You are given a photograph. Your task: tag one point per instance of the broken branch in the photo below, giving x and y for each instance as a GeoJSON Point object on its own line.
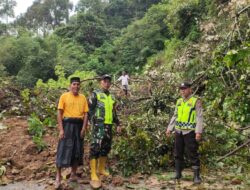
{"type": "Point", "coordinates": [235, 150]}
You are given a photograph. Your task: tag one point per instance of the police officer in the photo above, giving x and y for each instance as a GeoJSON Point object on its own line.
{"type": "Point", "coordinates": [102, 115]}
{"type": "Point", "coordinates": [187, 122]}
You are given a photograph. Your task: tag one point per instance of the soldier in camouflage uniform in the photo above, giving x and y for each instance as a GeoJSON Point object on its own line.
{"type": "Point", "coordinates": [102, 115]}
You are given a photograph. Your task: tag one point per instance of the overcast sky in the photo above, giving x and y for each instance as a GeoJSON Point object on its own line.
{"type": "Point", "coordinates": [22, 5]}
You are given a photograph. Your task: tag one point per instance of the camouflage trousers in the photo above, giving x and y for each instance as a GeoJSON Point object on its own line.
{"type": "Point", "coordinates": [101, 140]}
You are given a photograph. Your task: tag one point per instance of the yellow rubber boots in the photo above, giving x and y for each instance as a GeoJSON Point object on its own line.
{"type": "Point", "coordinates": [95, 181]}
{"type": "Point", "coordinates": [101, 166]}
{"type": "Point", "coordinates": [94, 177]}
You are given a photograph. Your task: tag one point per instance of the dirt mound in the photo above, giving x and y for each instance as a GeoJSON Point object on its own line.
{"type": "Point", "coordinates": [19, 154]}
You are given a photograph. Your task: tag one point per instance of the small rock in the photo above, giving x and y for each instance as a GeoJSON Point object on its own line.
{"type": "Point", "coordinates": [47, 173]}
{"type": "Point", "coordinates": [45, 154]}
{"type": "Point", "coordinates": [11, 177]}
{"type": "Point", "coordinates": [39, 175]}
{"type": "Point", "coordinates": [32, 176]}
{"type": "Point", "coordinates": [4, 180]}
{"type": "Point", "coordinates": [26, 171]}
{"type": "Point", "coordinates": [126, 180]}
{"type": "Point", "coordinates": [117, 181]}
{"type": "Point", "coordinates": [20, 178]}
{"type": "Point", "coordinates": [140, 177]}
{"type": "Point", "coordinates": [152, 181]}
{"type": "Point", "coordinates": [50, 182]}
{"type": "Point", "coordinates": [36, 165]}
{"type": "Point", "coordinates": [53, 153]}
{"type": "Point", "coordinates": [15, 171]}
{"type": "Point", "coordinates": [134, 180]}
{"type": "Point", "coordinates": [30, 149]}
{"type": "Point", "coordinates": [18, 163]}
{"type": "Point", "coordinates": [41, 180]}
{"type": "Point", "coordinates": [236, 182]}
{"type": "Point", "coordinates": [27, 158]}
{"type": "Point", "coordinates": [171, 182]}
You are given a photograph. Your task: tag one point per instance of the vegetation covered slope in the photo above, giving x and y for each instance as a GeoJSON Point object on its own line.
{"type": "Point", "coordinates": [204, 41]}
{"type": "Point", "coordinates": [213, 53]}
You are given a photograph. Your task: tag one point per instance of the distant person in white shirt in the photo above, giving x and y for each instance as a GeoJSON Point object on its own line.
{"type": "Point", "coordinates": [124, 78]}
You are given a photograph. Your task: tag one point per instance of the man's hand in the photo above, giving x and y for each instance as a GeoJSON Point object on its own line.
{"type": "Point", "coordinates": [61, 134]}
{"type": "Point", "coordinates": [82, 132]}
{"type": "Point", "coordinates": [119, 129]}
{"type": "Point", "coordinates": [87, 128]}
{"type": "Point", "coordinates": [168, 133]}
{"type": "Point", "coordinates": [198, 136]}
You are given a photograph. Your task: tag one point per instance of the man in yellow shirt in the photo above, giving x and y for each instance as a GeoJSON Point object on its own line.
{"type": "Point", "coordinates": [72, 120]}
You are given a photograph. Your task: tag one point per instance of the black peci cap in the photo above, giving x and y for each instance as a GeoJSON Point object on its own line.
{"type": "Point", "coordinates": [185, 85]}
{"type": "Point", "coordinates": [74, 79]}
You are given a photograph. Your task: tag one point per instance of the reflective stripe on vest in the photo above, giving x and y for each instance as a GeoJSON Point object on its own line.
{"type": "Point", "coordinates": [186, 114]}
{"type": "Point", "coordinates": [104, 110]}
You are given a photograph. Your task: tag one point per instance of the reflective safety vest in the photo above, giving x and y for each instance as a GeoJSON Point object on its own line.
{"type": "Point", "coordinates": [104, 108]}
{"type": "Point", "coordinates": [186, 114]}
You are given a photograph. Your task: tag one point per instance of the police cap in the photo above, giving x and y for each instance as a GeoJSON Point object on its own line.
{"type": "Point", "coordinates": [106, 76]}
{"type": "Point", "coordinates": [185, 85]}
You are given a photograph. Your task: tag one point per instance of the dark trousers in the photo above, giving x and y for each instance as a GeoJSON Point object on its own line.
{"type": "Point", "coordinates": [125, 89]}
{"type": "Point", "coordinates": [186, 142]}
{"type": "Point", "coordinates": [101, 141]}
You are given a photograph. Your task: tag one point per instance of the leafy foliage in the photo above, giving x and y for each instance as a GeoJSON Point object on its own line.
{"type": "Point", "coordinates": [167, 41]}
{"type": "Point", "coordinates": [2, 170]}
{"type": "Point", "coordinates": [7, 8]}
{"type": "Point", "coordinates": [36, 130]}
{"type": "Point", "coordinates": [35, 126]}
{"type": "Point", "coordinates": [229, 78]}
{"type": "Point", "coordinates": [45, 15]}
{"type": "Point", "coordinates": [28, 59]}
{"type": "Point", "coordinates": [142, 147]}
{"type": "Point", "coordinates": [88, 30]}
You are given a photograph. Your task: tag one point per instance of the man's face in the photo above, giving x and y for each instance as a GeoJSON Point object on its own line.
{"type": "Point", "coordinates": [105, 84]}
{"type": "Point", "coordinates": [75, 87]}
{"type": "Point", "coordinates": [185, 92]}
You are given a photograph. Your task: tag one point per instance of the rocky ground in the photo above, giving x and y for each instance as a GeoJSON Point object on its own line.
{"type": "Point", "coordinates": [28, 169]}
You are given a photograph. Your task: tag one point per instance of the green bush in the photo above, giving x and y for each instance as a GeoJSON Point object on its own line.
{"type": "Point", "coordinates": [40, 144]}
{"type": "Point", "coordinates": [36, 130]}
{"type": "Point", "coordinates": [36, 127]}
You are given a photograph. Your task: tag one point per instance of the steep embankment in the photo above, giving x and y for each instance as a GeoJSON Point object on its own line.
{"type": "Point", "coordinates": [215, 57]}
{"type": "Point", "coordinates": [212, 52]}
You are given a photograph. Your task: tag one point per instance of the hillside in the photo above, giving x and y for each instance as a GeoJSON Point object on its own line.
{"type": "Point", "coordinates": [160, 44]}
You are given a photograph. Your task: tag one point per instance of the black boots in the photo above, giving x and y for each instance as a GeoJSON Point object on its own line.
{"type": "Point", "coordinates": [178, 169]}
{"type": "Point", "coordinates": [197, 179]}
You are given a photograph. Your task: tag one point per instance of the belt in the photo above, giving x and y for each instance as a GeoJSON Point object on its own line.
{"type": "Point", "coordinates": [72, 119]}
